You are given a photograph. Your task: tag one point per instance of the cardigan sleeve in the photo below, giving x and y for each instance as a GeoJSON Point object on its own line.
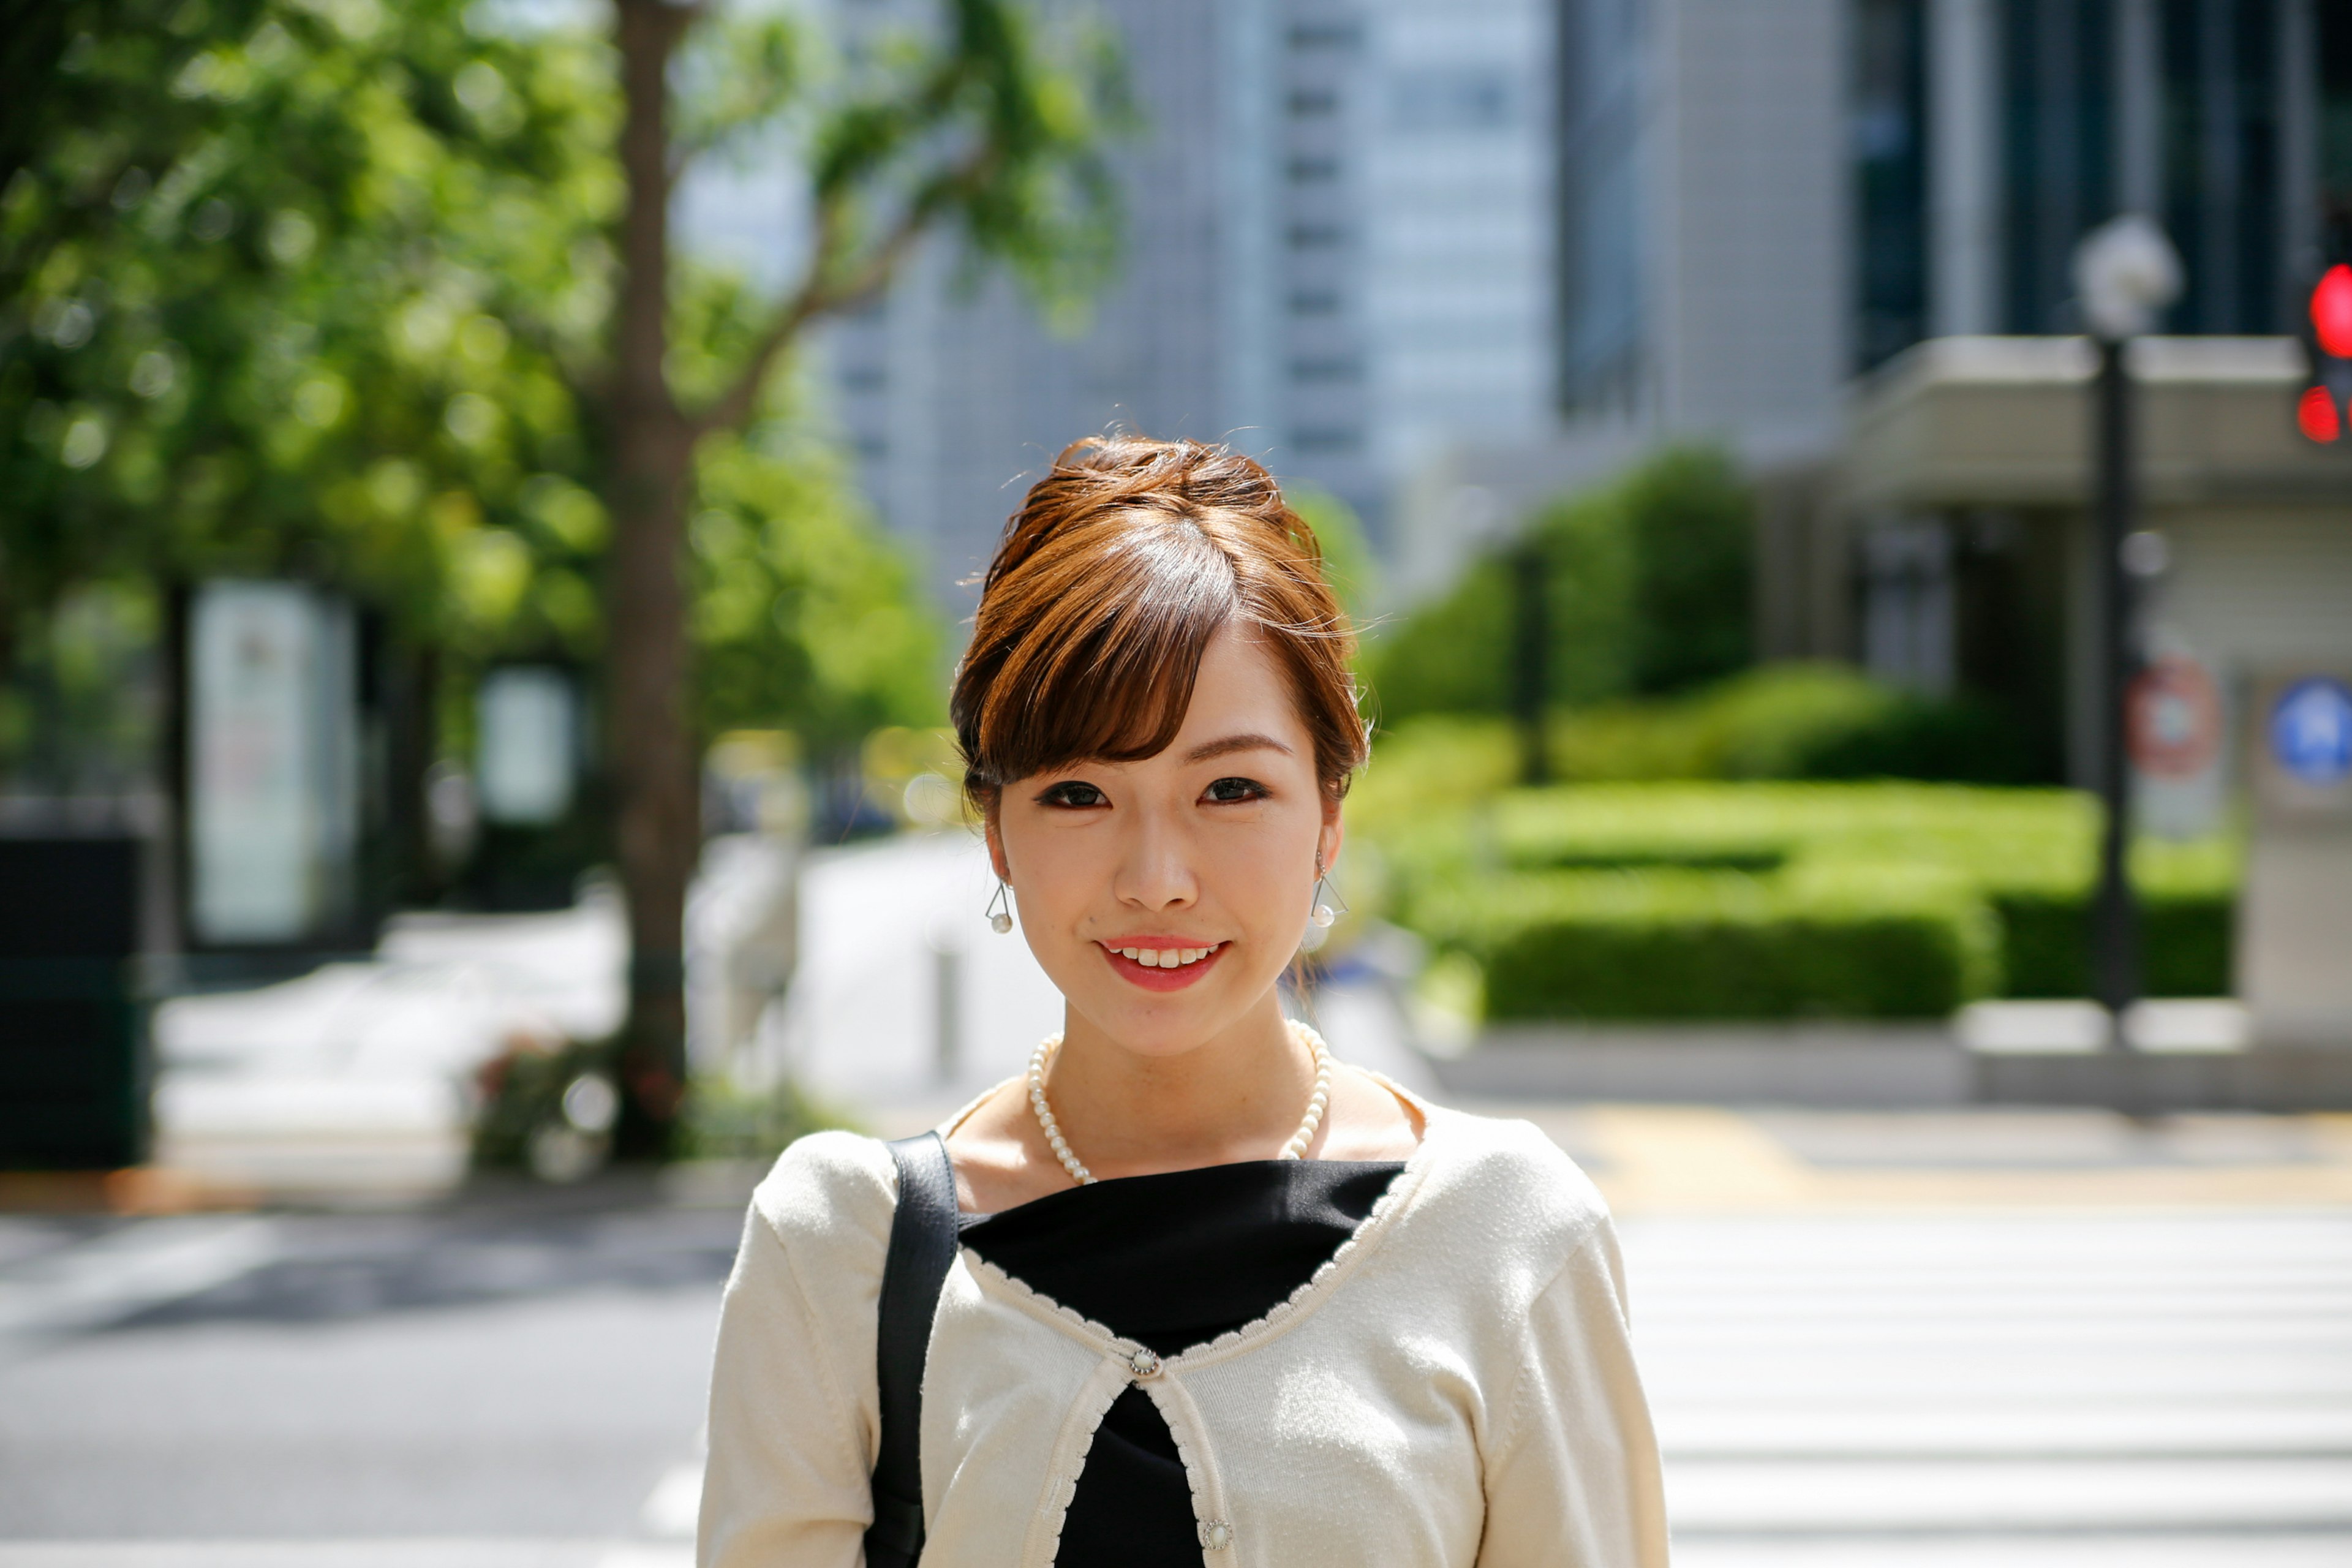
{"type": "Point", "coordinates": [794, 1417]}
{"type": "Point", "coordinates": [1574, 1479]}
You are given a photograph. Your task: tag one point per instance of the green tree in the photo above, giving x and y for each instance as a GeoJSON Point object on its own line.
{"type": "Point", "coordinates": [1453, 654]}
{"type": "Point", "coordinates": [368, 293]}
{"type": "Point", "coordinates": [1646, 588]}
{"type": "Point", "coordinates": [972, 125]}
{"type": "Point", "coordinates": [1347, 560]}
{"type": "Point", "coordinates": [1691, 522]}
{"type": "Point", "coordinates": [804, 618]}
{"type": "Point", "coordinates": [293, 288]}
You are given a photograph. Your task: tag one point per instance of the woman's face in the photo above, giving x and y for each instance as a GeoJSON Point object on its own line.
{"type": "Point", "coordinates": [1164, 896]}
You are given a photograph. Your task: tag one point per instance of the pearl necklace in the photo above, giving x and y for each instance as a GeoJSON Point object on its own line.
{"type": "Point", "coordinates": [1294, 1149]}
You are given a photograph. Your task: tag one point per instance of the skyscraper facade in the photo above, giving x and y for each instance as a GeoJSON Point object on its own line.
{"type": "Point", "coordinates": [1339, 257]}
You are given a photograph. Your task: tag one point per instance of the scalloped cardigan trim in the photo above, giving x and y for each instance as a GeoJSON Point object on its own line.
{"type": "Point", "coordinates": [1452, 1388]}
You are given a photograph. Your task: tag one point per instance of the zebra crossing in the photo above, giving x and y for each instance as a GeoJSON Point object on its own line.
{"type": "Point", "coordinates": [2030, 1389]}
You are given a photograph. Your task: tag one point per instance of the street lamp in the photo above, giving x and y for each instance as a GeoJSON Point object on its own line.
{"type": "Point", "coordinates": [2126, 273]}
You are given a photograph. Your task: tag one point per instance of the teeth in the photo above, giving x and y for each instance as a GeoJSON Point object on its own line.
{"type": "Point", "coordinates": [1164, 957]}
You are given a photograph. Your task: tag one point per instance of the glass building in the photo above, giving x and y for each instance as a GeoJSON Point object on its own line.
{"type": "Point", "coordinates": [1989, 135]}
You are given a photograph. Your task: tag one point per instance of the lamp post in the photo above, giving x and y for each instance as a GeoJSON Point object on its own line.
{"type": "Point", "coordinates": [2125, 272]}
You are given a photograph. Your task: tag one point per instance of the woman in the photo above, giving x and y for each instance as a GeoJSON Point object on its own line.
{"type": "Point", "coordinates": [1219, 1298]}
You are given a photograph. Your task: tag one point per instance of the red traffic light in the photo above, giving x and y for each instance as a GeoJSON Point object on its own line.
{"type": "Point", "coordinates": [2316, 415]}
{"type": "Point", "coordinates": [2324, 408]}
{"type": "Point", "coordinates": [2331, 311]}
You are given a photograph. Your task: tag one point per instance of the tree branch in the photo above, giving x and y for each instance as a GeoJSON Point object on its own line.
{"type": "Point", "coordinates": [821, 294]}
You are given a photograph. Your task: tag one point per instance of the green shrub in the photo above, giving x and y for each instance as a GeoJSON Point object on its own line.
{"type": "Point", "coordinates": [1453, 654]}
{"type": "Point", "coordinates": [1668, 944]}
{"type": "Point", "coordinates": [2185, 942]}
{"type": "Point", "coordinates": [2186, 895]}
{"type": "Point", "coordinates": [1726, 901]}
{"type": "Point", "coordinates": [1647, 587]}
{"type": "Point", "coordinates": [1691, 523]}
{"type": "Point", "coordinates": [725, 1121]}
{"type": "Point", "coordinates": [1793, 722]}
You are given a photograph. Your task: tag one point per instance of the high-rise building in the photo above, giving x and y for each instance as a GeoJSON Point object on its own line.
{"type": "Point", "coordinates": [1337, 257]}
{"type": "Point", "coordinates": [1759, 200]}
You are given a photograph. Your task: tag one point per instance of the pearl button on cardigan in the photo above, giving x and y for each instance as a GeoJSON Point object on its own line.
{"type": "Point", "coordinates": [1454, 1389]}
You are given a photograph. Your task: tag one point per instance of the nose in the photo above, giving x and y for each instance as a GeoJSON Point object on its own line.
{"type": "Point", "coordinates": [1155, 867]}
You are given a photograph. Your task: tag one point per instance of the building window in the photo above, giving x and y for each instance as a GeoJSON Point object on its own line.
{"type": "Point", "coordinates": [1309, 103]}
{"type": "Point", "coordinates": [1325, 440]}
{"type": "Point", "coordinates": [2058, 110]}
{"type": "Point", "coordinates": [1325, 370]}
{"type": "Point", "coordinates": [1887, 129]}
{"type": "Point", "coordinates": [1324, 36]}
{"type": "Point", "coordinates": [1316, 236]}
{"type": "Point", "coordinates": [1906, 608]}
{"type": "Point", "coordinates": [2222, 136]}
{"type": "Point", "coordinates": [2334, 24]}
{"type": "Point", "coordinates": [1314, 302]}
{"type": "Point", "coordinates": [1600, 206]}
{"type": "Point", "coordinates": [1472, 98]}
{"type": "Point", "coordinates": [1313, 170]}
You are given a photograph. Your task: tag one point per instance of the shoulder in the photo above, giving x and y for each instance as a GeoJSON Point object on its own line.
{"type": "Point", "coordinates": [1504, 1182]}
{"type": "Point", "coordinates": [831, 1193]}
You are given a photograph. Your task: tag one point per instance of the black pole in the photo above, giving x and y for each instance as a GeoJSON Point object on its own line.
{"type": "Point", "coordinates": [1530, 653]}
{"type": "Point", "coordinates": [2117, 949]}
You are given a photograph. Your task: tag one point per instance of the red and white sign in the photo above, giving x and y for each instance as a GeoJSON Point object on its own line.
{"type": "Point", "coordinates": [2172, 717]}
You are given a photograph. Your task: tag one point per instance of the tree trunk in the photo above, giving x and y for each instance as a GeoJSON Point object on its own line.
{"type": "Point", "coordinates": [651, 455]}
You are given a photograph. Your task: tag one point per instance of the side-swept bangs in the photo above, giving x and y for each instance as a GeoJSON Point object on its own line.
{"type": "Point", "coordinates": [1121, 567]}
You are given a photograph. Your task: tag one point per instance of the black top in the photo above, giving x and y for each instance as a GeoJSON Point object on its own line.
{"type": "Point", "coordinates": [1170, 1261]}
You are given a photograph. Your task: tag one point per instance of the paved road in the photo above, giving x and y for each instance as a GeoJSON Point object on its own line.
{"type": "Point", "coordinates": [511, 1384]}
{"type": "Point", "coordinates": [498, 1385]}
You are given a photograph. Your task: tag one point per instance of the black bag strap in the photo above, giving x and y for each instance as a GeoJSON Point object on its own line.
{"type": "Point", "coordinates": [923, 1246]}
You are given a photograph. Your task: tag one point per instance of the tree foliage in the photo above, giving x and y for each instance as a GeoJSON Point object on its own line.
{"type": "Point", "coordinates": [374, 293]}
{"type": "Point", "coordinates": [325, 288]}
{"type": "Point", "coordinates": [1647, 585]}
{"type": "Point", "coordinates": [297, 288]}
{"type": "Point", "coordinates": [804, 617]}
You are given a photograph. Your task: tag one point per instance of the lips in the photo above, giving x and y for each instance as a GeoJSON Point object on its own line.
{"type": "Point", "coordinates": [1161, 963]}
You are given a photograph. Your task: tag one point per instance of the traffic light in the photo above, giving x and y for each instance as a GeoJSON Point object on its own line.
{"type": "Point", "coordinates": [2325, 408]}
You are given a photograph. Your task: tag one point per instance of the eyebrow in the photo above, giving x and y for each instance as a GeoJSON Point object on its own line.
{"type": "Point", "coordinates": [1226, 747]}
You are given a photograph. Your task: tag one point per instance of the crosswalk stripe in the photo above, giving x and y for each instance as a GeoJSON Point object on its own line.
{"type": "Point", "coordinates": [2027, 1390]}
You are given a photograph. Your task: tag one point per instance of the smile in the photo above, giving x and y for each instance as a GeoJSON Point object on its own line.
{"type": "Point", "coordinates": [1163, 968]}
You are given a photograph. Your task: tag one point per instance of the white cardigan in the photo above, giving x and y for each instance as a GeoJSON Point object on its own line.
{"type": "Point", "coordinates": [1453, 1388]}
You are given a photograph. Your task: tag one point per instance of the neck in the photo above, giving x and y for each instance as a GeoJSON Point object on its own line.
{"type": "Point", "coordinates": [1238, 1095]}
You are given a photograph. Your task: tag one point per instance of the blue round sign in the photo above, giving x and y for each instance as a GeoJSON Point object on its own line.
{"type": "Point", "coordinates": [2311, 731]}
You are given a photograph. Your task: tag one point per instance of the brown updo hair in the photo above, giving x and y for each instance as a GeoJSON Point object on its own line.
{"type": "Point", "coordinates": [1121, 565]}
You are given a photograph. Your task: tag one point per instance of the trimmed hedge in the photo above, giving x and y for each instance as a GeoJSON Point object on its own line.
{"type": "Point", "coordinates": [2185, 941]}
{"type": "Point", "coordinates": [1778, 901]}
{"type": "Point", "coordinates": [1581, 944]}
{"type": "Point", "coordinates": [1792, 722]}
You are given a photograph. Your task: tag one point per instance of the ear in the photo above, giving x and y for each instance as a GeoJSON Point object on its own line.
{"type": "Point", "coordinates": [1329, 837]}
{"type": "Point", "coordinates": [996, 860]}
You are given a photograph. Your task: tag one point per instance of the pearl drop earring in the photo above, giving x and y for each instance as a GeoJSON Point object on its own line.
{"type": "Point", "coordinates": [999, 910]}
{"type": "Point", "coordinates": [1325, 915]}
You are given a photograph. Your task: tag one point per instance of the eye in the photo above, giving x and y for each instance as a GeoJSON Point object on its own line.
{"type": "Point", "coordinates": [1227, 792]}
{"type": "Point", "coordinates": [1074, 794]}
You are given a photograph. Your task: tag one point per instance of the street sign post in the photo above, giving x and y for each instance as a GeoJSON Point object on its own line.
{"type": "Point", "coordinates": [2294, 954]}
